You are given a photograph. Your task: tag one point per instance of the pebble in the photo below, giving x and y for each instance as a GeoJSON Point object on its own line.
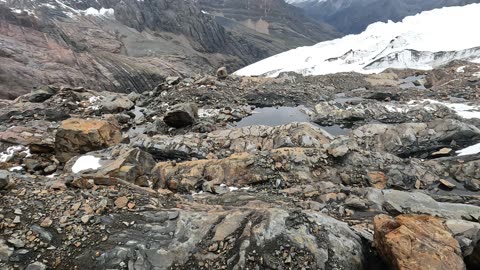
{"type": "Point", "coordinates": [121, 202]}
{"type": "Point", "coordinates": [47, 222]}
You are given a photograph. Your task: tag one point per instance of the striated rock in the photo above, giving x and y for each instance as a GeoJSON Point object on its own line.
{"type": "Point", "coordinates": [468, 236]}
{"type": "Point", "coordinates": [41, 94]}
{"type": "Point", "coordinates": [292, 164]}
{"type": "Point", "coordinates": [38, 136]}
{"type": "Point", "coordinates": [181, 115]}
{"type": "Point", "coordinates": [223, 143]}
{"type": "Point", "coordinates": [401, 202]}
{"type": "Point", "coordinates": [79, 136]}
{"type": "Point", "coordinates": [239, 238]}
{"type": "Point", "coordinates": [416, 242]}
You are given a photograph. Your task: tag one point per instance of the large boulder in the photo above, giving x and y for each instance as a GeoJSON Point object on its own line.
{"type": "Point", "coordinates": [293, 165]}
{"type": "Point", "coordinates": [129, 164]}
{"type": "Point", "coordinates": [416, 139]}
{"type": "Point", "coordinates": [79, 136]}
{"type": "Point", "coordinates": [40, 95]}
{"type": "Point", "coordinates": [400, 202]}
{"type": "Point", "coordinates": [181, 115]}
{"type": "Point", "coordinates": [222, 143]}
{"type": "Point", "coordinates": [416, 242]}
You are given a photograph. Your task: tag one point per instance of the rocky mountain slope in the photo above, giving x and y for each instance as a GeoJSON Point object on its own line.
{"type": "Point", "coordinates": [353, 16]}
{"type": "Point", "coordinates": [427, 40]}
{"type": "Point", "coordinates": [126, 45]}
{"type": "Point", "coordinates": [273, 23]}
{"type": "Point", "coordinates": [381, 174]}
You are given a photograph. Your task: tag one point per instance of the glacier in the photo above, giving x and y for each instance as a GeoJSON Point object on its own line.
{"type": "Point", "coordinates": [424, 41]}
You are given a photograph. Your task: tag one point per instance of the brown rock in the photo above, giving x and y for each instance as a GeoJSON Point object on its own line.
{"type": "Point", "coordinates": [447, 184]}
{"type": "Point", "coordinates": [416, 242]}
{"type": "Point", "coordinates": [79, 136]}
{"type": "Point", "coordinates": [377, 179]}
{"type": "Point", "coordinates": [121, 202]}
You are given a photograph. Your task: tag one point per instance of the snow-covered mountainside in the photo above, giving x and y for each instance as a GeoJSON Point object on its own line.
{"type": "Point", "coordinates": [423, 41]}
{"type": "Point", "coordinates": [353, 16]}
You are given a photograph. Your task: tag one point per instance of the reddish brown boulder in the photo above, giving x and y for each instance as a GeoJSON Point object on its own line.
{"type": "Point", "coordinates": [416, 242]}
{"type": "Point", "coordinates": [79, 136]}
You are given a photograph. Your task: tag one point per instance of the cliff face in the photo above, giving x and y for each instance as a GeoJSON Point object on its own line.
{"type": "Point", "coordinates": [126, 45]}
{"type": "Point", "coordinates": [275, 24]}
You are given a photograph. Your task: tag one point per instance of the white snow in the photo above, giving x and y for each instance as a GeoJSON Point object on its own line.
{"type": "Point", "coordinates": [471, 150]}
{"type": "Point", "coordinates": [87, 162]}
{"type": "Point", "coordinates": [102, 12]}
{"type": "Point", "coordinates": [383, 45]}
{"type": "Point", "coordinates": [461, 69]}
{"type": "Point", "coordinates": [12, 150]}
{"type": "Point", "coordinates": [16, 169]}
{"type": "Point", "coordinates": [205, 12]}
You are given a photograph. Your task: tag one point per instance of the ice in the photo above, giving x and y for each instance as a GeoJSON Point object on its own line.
{"type": "Point", "coordinates": [423, 41]}
{"type": "Point", "coordinates": [87, 162]}
{"type": "Point", "coordinates": [471, 150]}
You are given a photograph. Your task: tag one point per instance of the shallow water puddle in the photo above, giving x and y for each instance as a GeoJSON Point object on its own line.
{"type": "Point", "coordinates": [276, 116]}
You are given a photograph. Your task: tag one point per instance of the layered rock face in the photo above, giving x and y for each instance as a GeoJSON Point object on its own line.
{"type": "Point", "coordinates": [272, 24]}
{"type": "Point", "coordinates": [373, 177]}
{"type": "Point", "coordinates": [122, 46]}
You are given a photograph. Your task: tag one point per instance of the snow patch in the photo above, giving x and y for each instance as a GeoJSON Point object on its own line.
{"type": "Point", "coordinates": [461, 69]}
{"type": "Point", "coordinates": [204, 12]}
{"type": "Point", "coordinates": [471, 150]}
{"type": "Point", "coordinates": [84, 163]}
{"type": "Point", "coordinates": [11, 151]}
{"type": "Point", "coordinates": [102, 12]}
{"type": "Point", "coordinates": [16, 169]}
{"type": "Point", "coordinates": [423, 41]}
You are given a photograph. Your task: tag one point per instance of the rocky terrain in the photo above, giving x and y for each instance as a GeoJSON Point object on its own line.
{"type": "Point", "coordinates": [130, 45]}
{"type": "Point", "coordinates": [275, 24]}
{"type": "Point", "coordinates": [382, 173]}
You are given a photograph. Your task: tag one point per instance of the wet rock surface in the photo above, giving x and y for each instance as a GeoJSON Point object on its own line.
{"type": "Point", "coordinates": [95, 180]}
